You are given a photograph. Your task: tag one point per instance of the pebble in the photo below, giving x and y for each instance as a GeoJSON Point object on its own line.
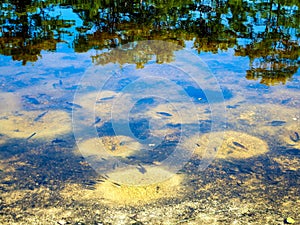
{"type": "Point", "coordinates": [289, 220]}
{"type": "Point", "coordinates": [62, 222]}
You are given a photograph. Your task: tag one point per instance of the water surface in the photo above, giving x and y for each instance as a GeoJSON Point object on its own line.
{"type": "Point", "coordinates": [50, 48]}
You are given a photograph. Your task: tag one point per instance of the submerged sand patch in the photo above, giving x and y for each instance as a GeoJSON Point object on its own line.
{"type": "Point", "coordinates": [121, 194]}
{"type": "Point", "coordinates": [274, 122]}
{"type": "Point", "coordinates": [235, 145]}
{"type": "Point", "coordinates": [96, 104]}
{"type": "Point", "coordinates": [109, 145]}
{"type": "Point", "coordinates": [40, 124]}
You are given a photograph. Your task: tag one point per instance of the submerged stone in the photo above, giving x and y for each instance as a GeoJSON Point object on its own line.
{"type": "Point", "coordinates": [289, 220]}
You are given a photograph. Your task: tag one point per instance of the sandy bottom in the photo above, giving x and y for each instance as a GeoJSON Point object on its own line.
{"type": "Point", "coordinates": [121, 194]}
{"type": "Point", "coordinates": [39, 124]}
{"type": "Point", "coordinates": [228, 144]}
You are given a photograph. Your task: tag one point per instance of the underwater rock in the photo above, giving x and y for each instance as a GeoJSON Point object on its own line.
{"type": "Point", "coordinates": [289, 220]}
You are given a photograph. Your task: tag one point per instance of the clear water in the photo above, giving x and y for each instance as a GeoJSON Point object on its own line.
{"type": "Point", "coordinates": [149, 113]}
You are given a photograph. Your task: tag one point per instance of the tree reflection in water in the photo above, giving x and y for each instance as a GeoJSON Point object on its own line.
{"type": "Point", "coordinates": [265, 31]}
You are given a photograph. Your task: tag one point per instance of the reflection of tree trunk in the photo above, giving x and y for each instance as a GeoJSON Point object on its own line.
{"type": "Point", "coordinates": [268, 24]}
{"type": "Point", "coordinates": [21, 8]}
{"type": "Point", "coordinates": [278, 15]}
{"type": "Point", "coordinates": [25, 28]}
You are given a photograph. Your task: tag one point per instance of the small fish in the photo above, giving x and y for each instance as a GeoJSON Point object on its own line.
{"type": "Point", "coordinates": [40, 116]}
{"type": "Point", "coordinates": [74, 87]}
{"type": "Point", "coordinates": [102, 178]}
{"type": "Point", "coordinates": [239, 145]}
{"type": "Point", "coordinates": [116, 184]}
{"type": "Point", "coordinates": [70, 109]}
{"type": "Point", "coordinates": [296, 138]}
{"type": "Point", "coordinates": [115, 165]}
{"type": "Point", "coordinates": [90, 182]}
{"type": "Point", "coordinates": [89, 187]}
{"type": "Point", "coordinates": [106, 98]}
{"type": "Point", "coordinates": [56, 141]}
{"type": "Point", "coordinates": [60, 82]}
{"type": "Point", "coordinates": [74, 105]}
{"type": "Point", "coordinates": [31, 136]}
{"type": "Point", "coordinates": [277, 123]}
{"type": "Point", "coordinates": [141, 169]}
{"type": "Point", "coordinates": [232, 106]}
{"type": "Point", "coordinates": [97, 120]}
{"type": "Point", "coordinates": [106, 176]}
{"type": "Point", "coordinates": [164, 113]}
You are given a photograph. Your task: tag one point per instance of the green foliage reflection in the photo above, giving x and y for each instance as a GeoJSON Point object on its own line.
{"type": "Point", "coordinates": [265, 31]}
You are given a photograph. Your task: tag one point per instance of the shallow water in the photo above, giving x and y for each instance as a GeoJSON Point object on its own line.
{"type": "Point", "coordinates": [149, 113]}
